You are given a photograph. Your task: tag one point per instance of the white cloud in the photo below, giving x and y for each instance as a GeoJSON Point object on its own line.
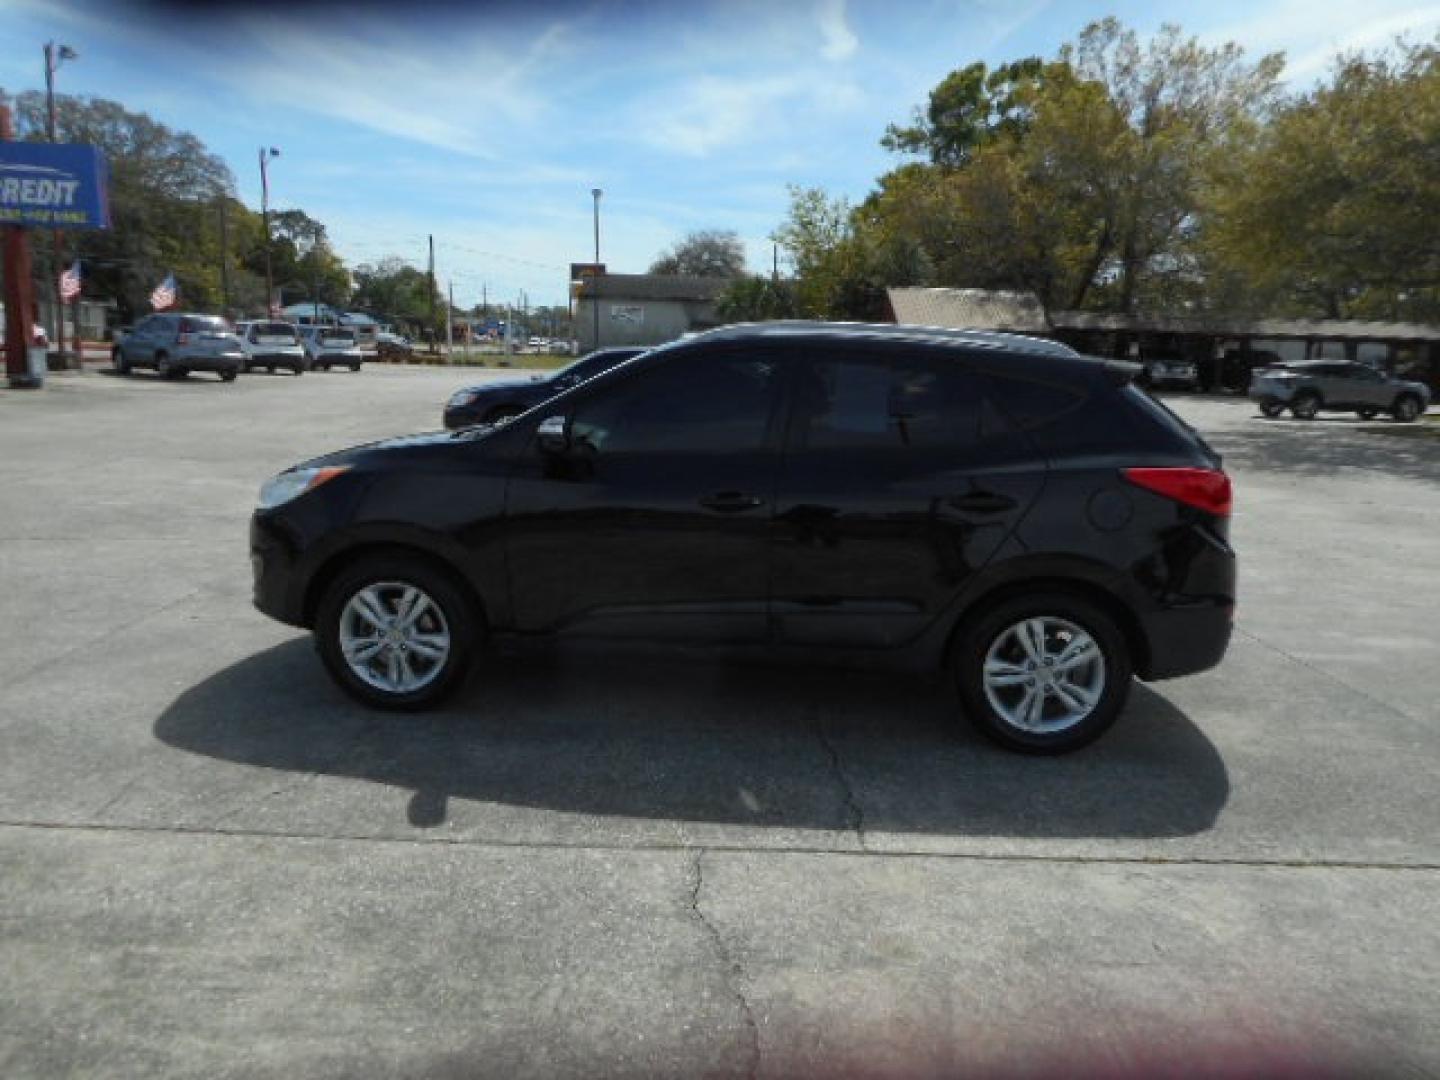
{"type": "Point", "coordinates": [838, 41]}
{"type": "Point", "coordinates": [1312, 32]}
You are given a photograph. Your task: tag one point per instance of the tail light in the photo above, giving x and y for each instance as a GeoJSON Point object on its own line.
{"type": "Point", "coordinates": [1204, 489]}
{"type": "Point", "coordinates": [182, 339]}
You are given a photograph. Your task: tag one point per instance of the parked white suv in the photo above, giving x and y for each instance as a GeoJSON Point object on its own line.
{"type": "Point", "coordinates": [271, 345]}
{"type": "Point", "coordinates": [329, 346]}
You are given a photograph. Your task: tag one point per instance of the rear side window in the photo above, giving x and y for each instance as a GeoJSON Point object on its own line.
{"type": "Point", "coordinates": [877, 403]}
{"type": "Point", "coordinates": [1075, 418]}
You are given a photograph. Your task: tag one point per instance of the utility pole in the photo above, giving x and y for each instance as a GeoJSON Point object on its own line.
{"type": "Point", "coordinates": [774, 262]}
{"type": "Point", "coordinates": [265, 222]}
{"type": "Point", "coordinates": [430, 279]}
{"type": "Point", "coordinates": [55, 55]}
{"type": "Point", "coordinates": [595, 277]}
{"type": "Point", "coordinates": [449, 326]}
{"type": "Point", "coordinates": [225, 262]}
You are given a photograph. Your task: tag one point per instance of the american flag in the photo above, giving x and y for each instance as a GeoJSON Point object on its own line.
{"type": "Point", "coordinates": [70, 283]}
{"type": "Point", "coordinates": [164, 294]}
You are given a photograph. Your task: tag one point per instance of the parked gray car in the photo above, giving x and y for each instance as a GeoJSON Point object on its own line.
{"type": "Point", "coordinates": [1336, 386]}
{"type": "Point", "coordinates": [177, 344]}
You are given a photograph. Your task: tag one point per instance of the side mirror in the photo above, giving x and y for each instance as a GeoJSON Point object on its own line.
{"type": "Point", "coordinates": [553, 435]}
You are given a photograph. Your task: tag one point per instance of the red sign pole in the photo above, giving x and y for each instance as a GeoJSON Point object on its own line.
{"type": "Point", "coordinates": [19, 296]}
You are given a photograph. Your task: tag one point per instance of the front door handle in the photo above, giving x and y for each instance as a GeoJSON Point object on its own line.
{"type": "Point", "coordinates": [982, 502]}
{"type": "Point", "coordinates": [730, 502]}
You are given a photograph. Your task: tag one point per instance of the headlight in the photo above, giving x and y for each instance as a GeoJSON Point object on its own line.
{"type": "Point", "coordinates": [279, 490]}
{"type": "Point", "coordinates": [461, 398]}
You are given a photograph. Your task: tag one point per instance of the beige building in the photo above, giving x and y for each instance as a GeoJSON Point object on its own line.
{"type": "Point", "coordinates": [644, 309]}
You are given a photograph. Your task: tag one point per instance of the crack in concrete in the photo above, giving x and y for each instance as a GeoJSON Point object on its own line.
{"type": "Point", "coordinates": [1324, 674]}
{"type": "Point", "coordinates": [731, 967]}
{"type": "Point", "coordinates": [854, 815]}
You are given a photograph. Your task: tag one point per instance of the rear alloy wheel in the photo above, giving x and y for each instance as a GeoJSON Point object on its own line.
{"type": "Point", "coordinates": [1367, 413]}
{"type": "Point", "coordinates": [395, 633]}
{"type": "Point", "coordinates": [1271, 409]}
{"type": "Point", "coordinates": [1044, 674]}
{"type": "Point", "coordinates": [1305, 405]}
{"type": "Point", "coordinates": [1407, 408]}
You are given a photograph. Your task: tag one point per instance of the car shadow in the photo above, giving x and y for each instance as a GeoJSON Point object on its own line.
{"type": "Point", "coordinates": [1326, 447]}
{"type": "Point", "coordinates": [697, 741]}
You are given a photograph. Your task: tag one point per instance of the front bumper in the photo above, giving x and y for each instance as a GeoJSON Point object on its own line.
{"type": "Point", "coordinates": [278, 591]}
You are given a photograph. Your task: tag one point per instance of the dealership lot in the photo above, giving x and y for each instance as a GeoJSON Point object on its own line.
{"type": "Point", "coordinates": [212, 863]}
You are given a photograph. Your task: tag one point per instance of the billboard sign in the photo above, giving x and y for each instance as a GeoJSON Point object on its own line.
{"type": "Point", "coordinates": [53, 186]}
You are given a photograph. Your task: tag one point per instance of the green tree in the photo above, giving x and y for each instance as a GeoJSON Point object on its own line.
{"type": "Point", "coordinates": [753, 298]}
{"type": "Point", "coordinates": [705, 253]}
{"type": "Point", "coordinates": [971, 108]}
{"type": "Point", "coordinates": [1332, 208]}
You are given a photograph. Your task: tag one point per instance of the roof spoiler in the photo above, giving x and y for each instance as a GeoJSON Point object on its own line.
{"type": "Point", "coordinates": [1121, 372]}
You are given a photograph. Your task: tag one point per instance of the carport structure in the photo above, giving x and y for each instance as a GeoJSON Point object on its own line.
{"type": "Point", "coordinates": [1225, 349]}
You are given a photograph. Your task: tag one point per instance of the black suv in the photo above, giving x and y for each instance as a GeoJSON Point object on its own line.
{"type": "Point", "coordinates": [503, 399]}
{"type": "Point", "coordinates": [998, 506]}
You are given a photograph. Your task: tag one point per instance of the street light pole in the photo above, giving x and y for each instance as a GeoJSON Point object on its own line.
{"type": "Point", "coordinates": [595, 277]}
{"type": "Point", "coordinates": [265, 156]}
{"type": "Point", "coordinates": [55, 55]}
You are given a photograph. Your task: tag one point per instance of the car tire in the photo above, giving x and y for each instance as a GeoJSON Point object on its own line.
{"type": "Point", "coordinates": [355, 367]}
{"type": "Point", "coordinates": [229, 374]}
{"type": "Point", "coordinates": [1271, 409]}
{"type": "Point", "coordinates": [1367, 413]}
{"type": "Point", "coordinates": [451, 622]}
{"type": "Point", "coordinates": [991, 665]}
{"type": "Point", "coordinates": [122, 366]}
{"type": "Point", "coordinates": [162, 366]}
{"type": "Point", "coordinates": [1407, 408]}
{"type": "Point", "coordinates": [1305, 405]}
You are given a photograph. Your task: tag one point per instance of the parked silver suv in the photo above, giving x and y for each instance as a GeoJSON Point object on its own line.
{"type": "Point", "coordinates": [1336, 386]}
{"type": "Point", "coordinates": [177, 344]}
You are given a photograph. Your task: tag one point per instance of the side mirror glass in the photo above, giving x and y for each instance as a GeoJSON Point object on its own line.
{"type": "Point", "coordinates": [553, 435]}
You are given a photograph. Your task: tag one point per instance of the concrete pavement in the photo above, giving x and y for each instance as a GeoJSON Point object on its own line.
{"type": "Point", "coordinates": [212, 863]}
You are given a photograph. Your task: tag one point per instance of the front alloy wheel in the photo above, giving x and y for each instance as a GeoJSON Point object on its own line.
{"type": "Point", "coordinates": [395, 633]}
{"type": "Point", "coordinates": [1044, 674]}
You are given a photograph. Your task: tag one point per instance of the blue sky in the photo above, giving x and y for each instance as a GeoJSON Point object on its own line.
{"type": "Point", "coordinates": [487, 125]}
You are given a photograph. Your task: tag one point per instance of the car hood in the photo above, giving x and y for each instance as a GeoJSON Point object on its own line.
{"type": "Point", "coordinates": [418, 447]}
{"type": "Point", "coordinates": [509, 382]}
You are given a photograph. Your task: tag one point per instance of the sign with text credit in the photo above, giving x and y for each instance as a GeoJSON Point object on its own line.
{"type": "Point", "coordinates": [53, 186]}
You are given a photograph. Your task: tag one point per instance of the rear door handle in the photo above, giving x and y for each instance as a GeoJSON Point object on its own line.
{"type": "Point", "coordinates": [982, 502]}
{"type": "Point", "coordinates": [730, 502]}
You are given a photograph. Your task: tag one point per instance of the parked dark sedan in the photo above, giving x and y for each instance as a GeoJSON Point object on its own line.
{"type": "Point", "coordinates": [998, 507]}
{"type": "Point", "coordinates": [491, 402]}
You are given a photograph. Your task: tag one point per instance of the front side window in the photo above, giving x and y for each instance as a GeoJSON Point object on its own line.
{"type": "Point", "coordinates": [708, 404]}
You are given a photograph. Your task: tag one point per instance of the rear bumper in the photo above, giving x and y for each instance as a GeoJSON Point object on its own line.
{"type": "Point", "coordinates": [209, 362]}
{"type": "Point", "coordinates": [1270, 391]}
{"type": "Point", "coordinates": [279, 359]}
{"type": "Point", "coordinates": [1185, 639]}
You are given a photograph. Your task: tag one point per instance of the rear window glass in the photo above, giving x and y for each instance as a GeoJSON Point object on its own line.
{"type": "Point", "coordinates": [274, 329]}
{"type": "Point", "coordinates": [204, 326]}
{"type": "Point", "coordinates": [328, 335]}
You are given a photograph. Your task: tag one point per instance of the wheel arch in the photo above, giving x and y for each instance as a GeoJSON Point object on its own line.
{"type": "Point", "coordinates": [336, 562]}
{"type": "Point", "coordinates": [1077, 585]}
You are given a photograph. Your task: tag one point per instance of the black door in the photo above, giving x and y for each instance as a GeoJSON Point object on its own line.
{"type": "Point", "coordinates": [654, 523]}
{"type": "Point", "coordinates": [900, 479]}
